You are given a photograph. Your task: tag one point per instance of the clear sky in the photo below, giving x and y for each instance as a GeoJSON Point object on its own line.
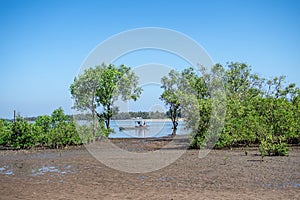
{"type": "Point", "coordinates": [43, 43]}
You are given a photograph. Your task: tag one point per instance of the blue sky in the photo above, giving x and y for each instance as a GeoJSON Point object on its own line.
{"type": "Point", "coordinates": [43, 43]}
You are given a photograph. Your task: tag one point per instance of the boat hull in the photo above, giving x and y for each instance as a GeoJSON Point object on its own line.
{"type": "Point", "coordinates": [133, 128]}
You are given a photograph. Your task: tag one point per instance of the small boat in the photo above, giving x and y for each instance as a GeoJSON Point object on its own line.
{"type": "Point", "coordinates": [138, 124]}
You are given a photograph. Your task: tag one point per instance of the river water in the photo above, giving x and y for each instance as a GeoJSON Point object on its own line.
{"type": "Point", "coordinates": [155, 129]}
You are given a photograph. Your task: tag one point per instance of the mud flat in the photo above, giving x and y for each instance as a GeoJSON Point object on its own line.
{"type": "Point", "coordinates": [74, 174]}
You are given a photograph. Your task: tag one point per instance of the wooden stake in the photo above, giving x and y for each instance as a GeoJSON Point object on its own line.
{"type": "Point", "coordinates": [15, 117]}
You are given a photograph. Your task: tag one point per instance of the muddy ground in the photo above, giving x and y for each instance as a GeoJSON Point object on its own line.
{"type": "Point", "coordinates": [74, 174]}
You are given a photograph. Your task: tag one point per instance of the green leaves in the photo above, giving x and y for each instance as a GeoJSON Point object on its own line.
{"type": "Point", "coordinates": [5, 132]}
{"type": "Point", "coordinates": [99, 87]}
{"type": "Point", "coordinates": [258, 111]}
{"type": "Point", "coordinates": [48, 131]}
{"type": "Point", "coordinates": [107, 85]}
{"type": "Point", "coordinates": [170, 96]}
{"type": "Point", "coordinates": [117, 81]}
{"type": "Point", "coordinates": [112, 83]}
{"type": "Point", "coordinates": [83, 89]}
{"type": "Point", "coordinates": [270, 146]}
{"type": "Point", "coordinates": [23, 134]}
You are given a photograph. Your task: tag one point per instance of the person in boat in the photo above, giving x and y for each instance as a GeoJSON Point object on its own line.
{"type": "Point", "coordinates": [141, 123]}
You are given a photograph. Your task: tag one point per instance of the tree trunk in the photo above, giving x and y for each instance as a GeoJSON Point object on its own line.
{"type": "Point", "coordinates": [175, 124]}
{"type": "Point", "coordinates": [107, 121]}
{"type": "Point", "coordinates": [94, 124]}
{"type": "Point", "coordinates": [173, 113]}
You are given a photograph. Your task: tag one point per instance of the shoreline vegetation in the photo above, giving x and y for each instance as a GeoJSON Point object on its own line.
{"type": "Point", "coordinates": [55, 131]}
{"type": "Point", "coordinates": [255, 110]}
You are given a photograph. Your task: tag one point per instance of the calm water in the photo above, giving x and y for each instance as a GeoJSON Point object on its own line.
{"type": "Point", "coordinates": [155, 129]}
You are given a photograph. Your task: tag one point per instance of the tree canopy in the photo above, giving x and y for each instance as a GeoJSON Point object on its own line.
{"type": "Point", "coordinates": [96, 90]}
{"type": "Point", "coordinates": [258, 110]}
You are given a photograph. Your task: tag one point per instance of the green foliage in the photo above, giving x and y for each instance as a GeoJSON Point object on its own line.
{"type": "Point", "coordinates": [63, 134]}
{"type": "Point", "coordinates": [53, 131]}
{"type": "Point", "coordinates": [86, 135]}
{"type": "Point", "coordinates": [43, 125]}
{"type": "Point", "coordinates": [273, 147]}
{"type": "Point", "coordinates": [5, 132]}
{"type": "Point", "coordinates": [23, 134]}
{"type": "Point", "coordinates": [201, 125]}
{"type": "Point", "coordinates": [99, 87]}
{"type": "Point", "coordinates": [83, 91]}
{"type": "Point", "coordinates": [58, 117]}
{"type": "Point", "coordinates": [258, 111]}
{"type": "Point", "coordinates": [114, 82]}
{"type": "Point", "coordinates": [170, 96]}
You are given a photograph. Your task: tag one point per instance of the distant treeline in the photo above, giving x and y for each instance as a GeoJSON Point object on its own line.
{"type": "Point", "coordinates": [129, 115]}
{"type": "Point", "coordinates": [116, 116]}
{"type": "Point", "coordinates": [144, 115]}
{"type": "Point", "coordinates": [32, 119]}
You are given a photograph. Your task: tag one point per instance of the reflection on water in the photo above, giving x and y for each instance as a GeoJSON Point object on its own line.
{"type": "Point", "coordinates": [155, 129]}
{"type": "Point", "coordinates": [51, 169]}
{"type": "Point", "coordinates": [281, 185]}
{"type": "Point", "coordinates": [4, 170]}
{"type": "Point", "coordinates": [36, 170]}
